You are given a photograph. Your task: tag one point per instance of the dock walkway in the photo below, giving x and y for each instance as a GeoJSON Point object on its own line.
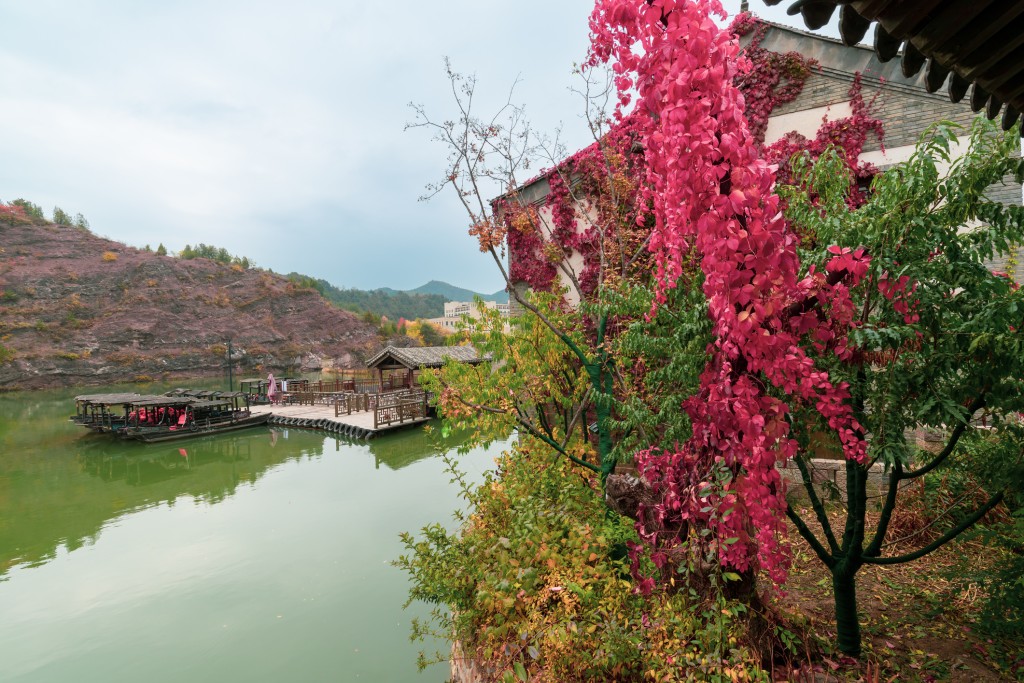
{"type": "Point", "coordinates": [359, 425]}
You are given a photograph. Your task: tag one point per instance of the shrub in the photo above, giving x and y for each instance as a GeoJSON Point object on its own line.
{"type": "Point", "coordinates": [986, 462]}
{"type": "Point", "coordinates": [537, 584]}
{"type": "Point", "coordinates": [61, 217]}
{"type": "Point", "coordinates": [33, 211]}
{"type": "Point", "coordinates": [109, 256]}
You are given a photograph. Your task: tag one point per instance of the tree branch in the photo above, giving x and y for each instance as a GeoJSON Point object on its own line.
{"type": "Point", "coordinates": [819, 509]}
{"type": "Point", "coordinates": [895, 475]}
{"type": "Point", "coordinates": [951, 445]}
{"type": "Point", "coordinates": [946, 538]}
{"type": "Point", "coordinates": [809, 536]}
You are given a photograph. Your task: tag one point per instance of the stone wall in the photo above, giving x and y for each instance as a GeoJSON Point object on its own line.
{"type": "Point", "coordinates": [829, 477]}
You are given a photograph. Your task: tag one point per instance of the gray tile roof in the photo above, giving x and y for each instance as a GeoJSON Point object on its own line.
{"type": "Point", "coordinates": [424, 356]}
{"type": "Point", "coordinates": [973, 45]}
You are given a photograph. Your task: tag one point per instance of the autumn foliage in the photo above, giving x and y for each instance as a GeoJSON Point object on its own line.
{"type": "Point", "coordinates": [711, 197]}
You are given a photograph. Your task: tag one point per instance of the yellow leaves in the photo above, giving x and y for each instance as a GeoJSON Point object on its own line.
{"type": "Point", "coordinates": [525, 219]}
{"type": "Point", "coordinates": [553, 253]}
{"type": "Point", "coordinates": [489, 234]}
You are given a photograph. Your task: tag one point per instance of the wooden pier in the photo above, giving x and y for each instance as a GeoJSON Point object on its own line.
{"type": "Point", "coordinates": [359, 416]}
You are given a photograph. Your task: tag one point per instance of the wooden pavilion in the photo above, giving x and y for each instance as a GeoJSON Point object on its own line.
{"type": "Point", "coordinates": [414, 359]}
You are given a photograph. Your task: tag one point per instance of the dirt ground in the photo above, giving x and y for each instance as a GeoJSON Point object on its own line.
{"type": "Point", "coordinates": [919, 621]}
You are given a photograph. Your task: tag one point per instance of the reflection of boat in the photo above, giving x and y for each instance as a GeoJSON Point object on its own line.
{"type": "Point", "coordinates": [154, 465]}
{"type": "Point", "coordinates": [188, 414]}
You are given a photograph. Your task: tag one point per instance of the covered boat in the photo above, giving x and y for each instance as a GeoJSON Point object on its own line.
{"type": "Point", "coordinates": [104, 412]}
{"type": "Point", "coordinates": [187, 414]}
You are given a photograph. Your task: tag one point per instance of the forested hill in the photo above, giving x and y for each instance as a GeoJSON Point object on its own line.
{"type": "Point", "coordinates": [453, 293]}
{"type": "Point", "coordinates": [79, 309]}
{"type": "Point", "coordinates": [381, 302]}
{"type": "Point", "coordinates": [426, 301]}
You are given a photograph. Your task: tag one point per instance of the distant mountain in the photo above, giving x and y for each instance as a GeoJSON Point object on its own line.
{"type": "Point", "coordinates": [391, 303]}
{"type": "Point", "coordinates": [453, 293]}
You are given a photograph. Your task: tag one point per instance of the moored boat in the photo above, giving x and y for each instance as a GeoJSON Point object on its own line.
{"type": "Point", "coordinates": [104, 412]}
{"type": "Point", "coordinates": [189, 414]}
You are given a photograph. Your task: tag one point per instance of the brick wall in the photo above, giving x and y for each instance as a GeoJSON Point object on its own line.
{"type": "Point", "coordinates": [904, 106]}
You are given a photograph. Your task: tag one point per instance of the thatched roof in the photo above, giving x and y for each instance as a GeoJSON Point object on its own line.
{"type": "Point", "coordinates": [423, 356]}
{"type": "Point", "coordinates": [975, 45]}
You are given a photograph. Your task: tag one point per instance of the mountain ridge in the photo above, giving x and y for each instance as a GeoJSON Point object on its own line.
{"type": "Point", "coordinates": [453, 293]}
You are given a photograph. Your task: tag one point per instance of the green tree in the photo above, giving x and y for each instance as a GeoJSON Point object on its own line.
{"type": "Point", "coordinates": [431, 335]}
{"type": "Point", "coordinates": [33, 211]}
{"type": "Point", "coordinates": [594, 203]}
{"type": "Point", "coordinates": [61, 217]}
{"type": "Point", "coordinates": [81, 223]}
{"type": "Point", "coordinates": [937, 341]}
{"type": "Point", "coordinates": [161, 250]}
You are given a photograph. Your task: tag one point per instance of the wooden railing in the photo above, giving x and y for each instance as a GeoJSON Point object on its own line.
{"type": "Point", "coordinates": [363, 384]}
{"type": "Point", "coordinates": [404, 410]}
{"type": "Point", "coordinates": [348, 403]}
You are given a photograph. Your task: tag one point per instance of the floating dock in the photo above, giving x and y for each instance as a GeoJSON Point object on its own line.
{"type": "Point", "coordinates": [356, 425]}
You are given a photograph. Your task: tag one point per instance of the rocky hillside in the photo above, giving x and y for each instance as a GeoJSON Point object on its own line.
{"type": "Point", "coordinates": [77, 309]}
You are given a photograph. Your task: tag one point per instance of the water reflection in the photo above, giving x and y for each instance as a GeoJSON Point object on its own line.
{"type": "Point", "coordinates": [265, 553]}
{"type": "Point", "coordinates": [151, 465]}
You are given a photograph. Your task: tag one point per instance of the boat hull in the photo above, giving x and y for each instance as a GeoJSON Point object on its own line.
{"type": "Point", "coordinates": [157, 435]}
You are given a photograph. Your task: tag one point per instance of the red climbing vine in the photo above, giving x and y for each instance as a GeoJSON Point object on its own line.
{"type": "Point", "coordinates": [710, 194]}
{"type": "Point", "coordinates": [773, 79]}
{"type": "Point", "coordinates": [588, 211]}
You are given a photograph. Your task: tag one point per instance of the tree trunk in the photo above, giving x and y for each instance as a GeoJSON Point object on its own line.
{"type": "Point", "coordinates": [844, 588]}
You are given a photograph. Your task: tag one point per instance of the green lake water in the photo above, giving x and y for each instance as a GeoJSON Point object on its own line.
{"type": "Point", "coordinates": [262, 555]}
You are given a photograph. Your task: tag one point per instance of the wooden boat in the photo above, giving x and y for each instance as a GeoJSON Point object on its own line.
{"type": "Point", "coordinates": [104, 412]}
{"type": "Point", "coordinates": [188, 414]}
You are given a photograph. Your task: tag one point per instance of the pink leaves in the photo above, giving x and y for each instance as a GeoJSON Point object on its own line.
{"type": "Point", "coordinates": [711, 195]}
{"type": "Point", "coordinates": [898, 292]}
{"type": "Point", "coordinates": [854, 262]}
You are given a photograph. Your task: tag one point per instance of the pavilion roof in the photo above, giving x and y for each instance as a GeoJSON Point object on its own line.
{"type": "Point", "coordinates": [423, 356]}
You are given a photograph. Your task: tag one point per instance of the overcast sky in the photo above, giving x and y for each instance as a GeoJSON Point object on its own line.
{"type": "Point", "coordinates": [272, 129]}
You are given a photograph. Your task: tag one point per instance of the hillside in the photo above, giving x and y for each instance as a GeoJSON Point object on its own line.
{"type": "Point", "coordinates": [77, 309]}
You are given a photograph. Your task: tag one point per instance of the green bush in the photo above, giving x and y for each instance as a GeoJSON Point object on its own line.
{"type": "Point", "coordinates": [537, 585]}
{"type": "Point", "coordinates": [61, 217]}
{"type": "Point", "coordinates": [985, 463]}
{"type": "Point", "coordinates": [33, 211]}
